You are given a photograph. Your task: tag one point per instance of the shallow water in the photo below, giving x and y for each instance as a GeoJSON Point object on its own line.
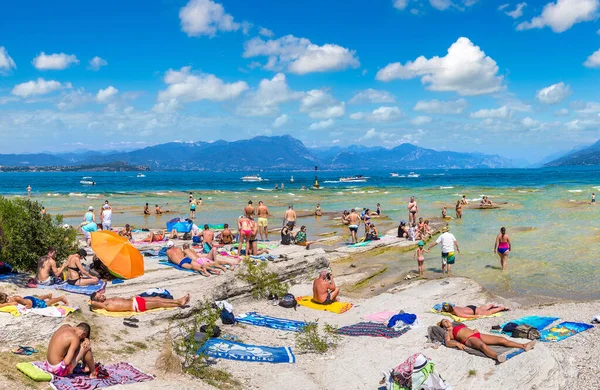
{"type": "Point", "coordinates": [552, 226]}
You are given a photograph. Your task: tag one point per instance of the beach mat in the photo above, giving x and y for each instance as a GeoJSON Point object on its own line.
{"type": "Point", "coordinates": [253, 318]}
{"type": "Point", "coordinates": [335, 307]}
{"type": "Point", "coordinates": [372, 329]}
{"type": "Point", "coordinates": [84, 290]}
{"type": "Point", "coordinates": [225, 349]}
{"type": "Point", "coordinates": [123, 314]}
{"type": "Point", "coordinates": [563, 331]}
{"type": "Point", "coordinates": [169, 264]}
{"type": "Point", "coordinates": [119, 374]}
{"type": "Point", "coordinates": [437, 309]}
{"type": "Point", "coordinates": [57, 311]}
{"type": "Point", "coordinates": [537, 322]}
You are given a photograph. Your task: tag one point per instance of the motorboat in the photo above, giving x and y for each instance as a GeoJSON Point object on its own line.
{"type": "Point", "coordinates": [292, 179]}
{"type": "Point", "coordinates": [354, 179]}
{"type": "Point", "coordinates": [394, 175]}
{"type": "Point", "coordinates": [252, 178]}
{"type": "Point", "coordinates": [140, 175]}
{"type": "Point", "coordinates": [413, 175]}
{"type": "Point", "coordinates": [87, 181]}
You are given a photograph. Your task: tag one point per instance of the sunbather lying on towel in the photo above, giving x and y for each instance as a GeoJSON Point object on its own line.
{"type": "Point", "coordinates": [206, 261]}
{"type": "Point", "coordinates": [472, 311]}
{"type": "Point", "coordinates": [31, 302]}
{"type": "Point", "coordinates": [459, 336]}
{"type": "Point", "coordinates": [136, 304]}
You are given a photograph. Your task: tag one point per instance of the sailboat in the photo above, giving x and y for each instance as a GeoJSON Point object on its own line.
{"type": "Point", "coordinates": [292, 179]}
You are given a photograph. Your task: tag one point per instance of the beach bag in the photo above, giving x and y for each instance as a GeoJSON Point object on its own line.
{"type": "Point", "coordinates": [288, 301]}
{"type": "Point", "coordinates": [526, 332]}
{"type": "Point", "coordinates": [227, 317]}
{"type": "Point", "coordinates": [5, 268]}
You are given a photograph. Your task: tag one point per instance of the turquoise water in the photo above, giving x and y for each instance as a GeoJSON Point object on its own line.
{"type": "Point", "coordinates": [553, 227]}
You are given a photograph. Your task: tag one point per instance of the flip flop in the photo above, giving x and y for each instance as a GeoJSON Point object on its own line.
{"type": "Point", "coordinates": [24, 350]}
{"type": "Point", "coordinates": [130, 324]}
{"type": "Point", "coordinates": [131, 319]}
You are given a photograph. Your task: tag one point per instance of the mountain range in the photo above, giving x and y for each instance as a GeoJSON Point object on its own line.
{"type": "Point", "coordinates": [584, 156]}
{"type": "Point", "coordinates": [268, 153]}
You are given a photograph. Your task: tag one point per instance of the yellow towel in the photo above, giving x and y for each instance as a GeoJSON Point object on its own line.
{"type": "Point", "coordinates": [126, 313]}
{"type": "Point", "coordinates": [461, 319]}
{"type": "Point", "coordinates": [10, 309]}
{"type": "Point", "coordinates": [335, 307]}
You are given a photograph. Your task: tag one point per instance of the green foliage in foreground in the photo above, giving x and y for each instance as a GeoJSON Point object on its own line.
{"type": "Point", "coordinates": [26, 234]}
{"type": "Point", "coordinates": [263, 281]}
{"type": "Point", "coordinates": [312, 340]}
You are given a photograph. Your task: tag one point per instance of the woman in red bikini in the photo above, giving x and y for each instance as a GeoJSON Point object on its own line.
{"type": "Point", "coordinates": [459, 336]}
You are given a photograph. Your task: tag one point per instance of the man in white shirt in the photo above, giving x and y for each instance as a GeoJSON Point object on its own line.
{"type": "Point", "coordinates": [106, 217]}
{"type": "Point", "coordinates": [448, 242]}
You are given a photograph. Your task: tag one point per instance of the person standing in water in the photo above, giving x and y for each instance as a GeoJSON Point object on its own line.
{"type": "Point", "coordinates": [29, 191]}
{"type": "Point", "coordinates": [263, 221]}
{"type": "Point", "coordinates": [413, 209]}
{"type": "Point", "coordinates": [449, 244]}
{"type": "Point", "coordinates": [502, 246]}
{"type": "Point", "coordinates": [593, 198]}
{"type": "Point", "coordinates": [458, 210]}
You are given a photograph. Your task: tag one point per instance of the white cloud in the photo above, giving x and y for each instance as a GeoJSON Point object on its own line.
{"type": "Point", "coordinates": [384, 114]}
{"type": "Point", "coordinates": [517, 12]}
{"type": "Point", "coordinates": [6, 62]}
{"type": "Point", "coordinates": [561, 112]}
{"type": "Point", "coordinates": [554, 94]}
{"type": "Point", "coordinates": [300, 56]}
{"type": "Point", "coordinates": [322, 125]}
{"type": "Point", "coordinates": [502, 112]}
{"type": "Point", "coordinates": [593, 61]}
{"type": "Point", "coordinates": [400, 4]}
{"type": "Point", "coordinates": [74, 98]}
{"type": "Point", "coordinates": [420, 120]}
{"type": "Point", "coordinates": [441, 107]}
{"type": "Point", "coordinates": [266, 32]}
{"type": "Point", "coordinates": [372, 96]}
{"type": "Point", "coordinates": [105, 95]}
{"type": "Point", "coordinates": [205, 17]}
{"type": "Point", "coordinates": [441, 5]}
{"type": "Point", "coordinates": [563, 14]}
{"type": "Point", "coordinates": [589, 108]}
{"type": "Point", "coordinates": [96, 63]}
{"type": "Point", "coordinates": [269, 95]}
{"type": "Point", "coordinates": [37, 87]}
{"type": "Point", "coordinates": [465, 70]}
{"type": "Point", "coordinates": [281, 120]}
{"type": "Point", "coordinates": [166, 107]}
{"type": "Point", "coordinates": [503, 6]}
{"type": "Point", "coordinates": [319, 104]}
{"type": "Point", "coordinates": [530, 123]}
{"type": "Point", "coordinates": [357, 116]}
{"type": "Point", "coordinates": [56, 61]}
{"type": "Point", "coordinates": [188, 87]}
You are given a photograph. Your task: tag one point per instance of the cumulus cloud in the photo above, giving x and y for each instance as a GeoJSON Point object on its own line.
{"type": "Point", "coordinates": [266, 32]}
{"type": "Point", "coordinates": [563, 14]}
{"type": "Point", "coordinates": [381, 114]}
{"type": "Point", "coordinates": [401, 4]}
{"type": "Point", "coordinates": [319, 104]}
{"type": "Point", "coordinates": [267, 98]}
{"type": "Point", "coordinates": [6, 62]}
{"type": "Point", "coordinates": [553, 94]}
{"type": "Point", "coordinates": [105, 95]}
{"type": "Point", "coordinates": [593, 61]}
{"type": "Point", "coordinates": [465, 70]}
{"type": "Point", "coordinates": [37, 87]}
{"type": "Point", "coordinates": [530, 123]}
{"type": "Point", "coordinates": [441, 5]}
{"type": "Point", "coordinates": [517, 12]}
{"type": "Point", "coordinates": [441, 107]}
{"type": "Point", "coordinates": [205, 17]}
{"type": "Point", "coordinates": [56, 61]}
{"type": "Point", "coordinates": [561, 112]}
{"type": "Point", "coordinates": [186, 86]}
{"type": "Point", "coordinates": [73, 98]}
{"type": "Point", "coordinates": [96, 63]}
{"type": "Point", "coordinates": [281, 121]}
{"type": "Point", "coordinates": [166, 107]}
{"type": "Point", "coordinates": [322, 125]}
{"type": "Point", "coordinates": [301, 56]}
{"type": "Point", "coordinates": [502, 112]}
{"type": "Point", "coordinates": [420, 120]}
{"type": "Point", "coordinates": [372, 96]}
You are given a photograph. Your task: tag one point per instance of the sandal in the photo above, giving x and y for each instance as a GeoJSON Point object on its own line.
{"type": "Point", "coordinates": [101, 372]}
{"type": "Point", "coordinates": [130, 324]}
{"type": "Point", "coordinates": [24, 350]}
{"type": "Point", "coordinates": [131, 319]}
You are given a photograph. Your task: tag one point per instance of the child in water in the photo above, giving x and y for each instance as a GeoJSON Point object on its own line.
{"type": "Point", "coordinates": [420, 256]}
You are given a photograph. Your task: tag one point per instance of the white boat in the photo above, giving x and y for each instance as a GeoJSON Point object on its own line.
{"type": "Point", "coordinates": [292, 179]}
{"type": "Point", "coordinates": [413, 175]}
{"type": "Point", "coordinates": [394, 175]}
{"type": "Point", "coordinates": [141, 175]}
{"type": "Point", "coordinates": [87, 181]}
{"type": "Point", "coordinates": [354, 179]}
{"type": "Point", "coordinates": [252, 178]}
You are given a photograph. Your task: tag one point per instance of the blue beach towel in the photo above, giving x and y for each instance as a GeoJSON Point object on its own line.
{"type": "Point", "coordinates": [225, 349]}
{"type": "Point", "coordinates": [537, 322]}
{"type": "Point", "coordinates": [169, 264]}
{"type": "Point", "coordinates": [563, 330]}
{"type": "Point", "coordinates": [253, 318]}
{"type": "Point", "coordinates": [407, 318]}
{"type": "Point", "coordinates": [85, 290]}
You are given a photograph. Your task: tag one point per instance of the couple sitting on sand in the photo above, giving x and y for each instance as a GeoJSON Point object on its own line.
{"type": "Point", "coordinates": [190, 259]}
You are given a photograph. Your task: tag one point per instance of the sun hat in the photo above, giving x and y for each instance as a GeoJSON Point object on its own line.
{"type": "Point", "coordinates": [421, 243]}
{"type": "Point", "coordinates": [445, 229]}
{"type": "Point", "coordinates": [170, 244]}
{"type": "Point", "coordinates": [90, 208]}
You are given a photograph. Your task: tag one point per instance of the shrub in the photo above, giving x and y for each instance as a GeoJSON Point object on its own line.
{"type": "Point", "coordinates": [27, 234]}
{"type": "Point", "coordinates": [310, 339]}
{"type": "Point", "coordinates": [263, 281]}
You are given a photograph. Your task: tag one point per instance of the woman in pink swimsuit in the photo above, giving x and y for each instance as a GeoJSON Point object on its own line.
{"type": "Point", "coordinates": [502, 246]}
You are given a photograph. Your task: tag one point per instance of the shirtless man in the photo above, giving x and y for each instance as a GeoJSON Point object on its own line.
{"type": "Point", "coordinates": [46, 269]}
{"type": "Point", "coordinates": [289, 216]}
{"type": "Point", "coordinates": [137, 304]}
{"type": "Point", "coordinates": [354, 222]}
{"type": "Point", "coordinates": [324, 289]}
{"type": "Point", "coordinates": [226, 235]}
{"type": "Point", "coordinates": [68, 346]}
{"type": "Point", "coordinates": [464, 200]}
{"type": "Point", "coordinates": [249, 209]}
{"type": "Point", "coordinates": [127, 233]}
{"type": "Point", "coordinates": [177, 257]}
{"type": "Point", "coordinates": [318, 211]}
{"type": "Point", "coordinates": [208, 236]}
{"type": "Point", "coordinates": [209, 261]}
{"type": "Point", "coordinates": [146, 209]}
{"type": "Point", "coordinates": [413, 209]}
{"type": "Point", "coordinates": [158, 209]}
{"type": "Point", "coordinates": [263, 213]}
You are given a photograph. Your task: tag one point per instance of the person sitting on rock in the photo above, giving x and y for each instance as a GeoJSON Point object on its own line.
{"type": "Point", "coordinates": [324, 289]}
{"type": "Point", "coordinates": [300, 238]}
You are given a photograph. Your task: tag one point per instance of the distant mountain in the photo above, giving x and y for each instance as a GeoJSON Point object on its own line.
{"type": "Point", "coordinates": [584, 156]}
{"type": "Point", "coordinates": [263, 153]}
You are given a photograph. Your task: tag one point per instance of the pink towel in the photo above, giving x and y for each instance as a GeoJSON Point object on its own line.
{"type": "Point", "coordinates": [382, 316]}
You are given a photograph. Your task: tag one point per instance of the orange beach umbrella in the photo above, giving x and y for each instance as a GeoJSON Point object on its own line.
{"type": "Point", "coordinates": [117, 253]}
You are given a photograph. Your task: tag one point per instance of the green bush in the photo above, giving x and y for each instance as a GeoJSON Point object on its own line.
{"type": "Point", "coordinates": [27, 234]}
{"type": "Point", "coordinates": [262, 280]}
{"type": "Point", "coordinates": [311, 339]}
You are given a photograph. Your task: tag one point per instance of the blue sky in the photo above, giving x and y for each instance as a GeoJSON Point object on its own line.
{"type": "Point", "coordinates": [518, 79]}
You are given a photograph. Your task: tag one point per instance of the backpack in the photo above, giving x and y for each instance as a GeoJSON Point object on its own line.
{"type": "Point", "coordinates": [288, 301]}
{"type": "Point", "coordinates": [227, 317]}
{"type": "Point", "coordinates": [526, 332]}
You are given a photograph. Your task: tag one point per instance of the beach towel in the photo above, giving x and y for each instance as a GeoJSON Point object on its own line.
{"type": "Point", "coordinates": [118, 374]}
{"type": "Point", "coordinates": [225, 349]}
{"type": "Point", "coordinates": [372, 329]}
{"type": "Point", "coordinates": [169, 264]}
{"type": "Point", "coordinates": [253, 318]}
{"type": "Point", "coordinates": [564, 330]}
{"type": "Point", "coordinates": [5, 277]}
{"type": "Point", "coordinates": [58, 311]}
{"type": "Point", "coordinates": [85, 290]}
{"type": "Point", "coordinates": [335, 307]}
{"type": "Point", "coordinates": [121, 314]}
{"type": "Point", "coordinates": [437, 309]}
{"type": "Point", "coordinates": [359, 244]}
{"type": "Point", "coordinates": [536, 321]}
{"type": "Point", "coordinates": [10, 309]}
{"type": "Point", "coordinates": [382, 316]}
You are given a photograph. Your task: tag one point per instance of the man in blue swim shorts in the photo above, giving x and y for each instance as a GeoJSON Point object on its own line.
{"type": "Point", "coordinates": [32, 302]}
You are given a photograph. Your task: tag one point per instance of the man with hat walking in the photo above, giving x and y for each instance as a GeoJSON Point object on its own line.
{"type": "Point", "coordinates": [448, 242]}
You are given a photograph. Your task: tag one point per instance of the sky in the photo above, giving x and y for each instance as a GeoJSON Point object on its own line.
{"type": "Point", "coordinates": [517, 79]}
